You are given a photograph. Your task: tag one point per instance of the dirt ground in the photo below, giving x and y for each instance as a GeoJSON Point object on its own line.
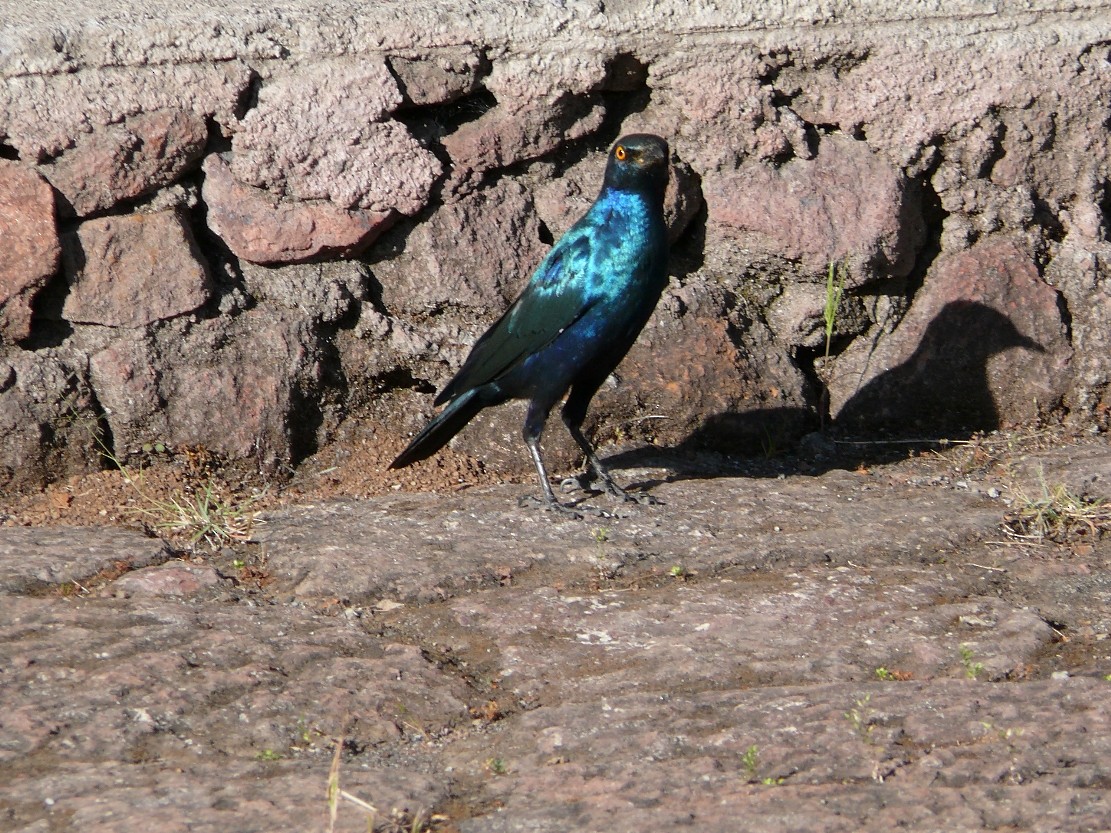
{"type": "Point", "coordinates": [856, 637]}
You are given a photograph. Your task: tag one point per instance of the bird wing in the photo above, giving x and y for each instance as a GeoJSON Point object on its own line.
{"type": "Point", "coordinates": [556, 297]}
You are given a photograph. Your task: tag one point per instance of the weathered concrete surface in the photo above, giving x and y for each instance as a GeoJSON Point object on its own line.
{"type": "Point", "coordinates": [431, 152]}
{"type": "Point", "coordinates": [714, 661]}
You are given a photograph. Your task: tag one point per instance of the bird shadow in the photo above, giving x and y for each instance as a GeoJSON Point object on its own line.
{"type": "Point", "coordinates": [939, 395]}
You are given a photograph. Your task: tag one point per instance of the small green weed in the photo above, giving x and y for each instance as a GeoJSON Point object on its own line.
{"type": "Point", "coordinates": [835, 292]}
{"type": "Point", "coordinates": [972, 669]}
{"type": "Point", "coordinates": [498, 766]}
{"type": "Point", "coordinates": [750, 762]}
{"type": "Point", "coordinates": [884, 675]}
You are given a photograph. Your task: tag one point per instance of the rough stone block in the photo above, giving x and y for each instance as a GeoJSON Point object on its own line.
{"type": "Point", "coordinates": [846, 204]}
{"type": "Point", "coordinates": [261, 228]}
{"type": "Point", "coordinates": [309, 138]}
{"type": "Point", "coordinates": [121, 162]}
{"type": "Point", "coordinates": [134, 270]}
{"type": "Point", "coordinates": [29, 253]}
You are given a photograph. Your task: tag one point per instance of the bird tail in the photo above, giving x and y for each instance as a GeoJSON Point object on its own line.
{"type": "Point", "coordinates": [441, 429]}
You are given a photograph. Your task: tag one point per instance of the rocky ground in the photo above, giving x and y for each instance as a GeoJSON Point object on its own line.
{"type": "Point", "coordinates": [861, 637]}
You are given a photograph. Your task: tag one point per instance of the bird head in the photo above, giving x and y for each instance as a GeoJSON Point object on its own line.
{"type": "Point", "coordinates": [638, 162]}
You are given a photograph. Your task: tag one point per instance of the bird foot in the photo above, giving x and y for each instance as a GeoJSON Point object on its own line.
{"type": "Point", "coordinates": [615, 491]}
{"type": "Point", "coordinates": [533, 502]}
{"type": "Point", "coordinates": [572, 513]}
{"type": "Point", "coordinates": [642, 498]}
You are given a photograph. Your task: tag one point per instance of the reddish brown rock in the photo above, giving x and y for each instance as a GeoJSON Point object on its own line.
{"type": "Point", "coordinates": [716, 111]}
{"type": "Point", "coordinates": [232, 388]}
{"type": "Point", "coordinates": [259, 227]}
{"type": "Point", "coordinates": [173, 579]}
{"type": "Point", "coordinates": [1081, 271]}
{"type": "Point", "coordinates": [34, 559]}
{"type": "Point", "coordinates": [44, 114]}
{"type": "Point", "coordinates": [519, 131]}
{"type": "Point", "coordinates": [134, 270]}
{"type": "Point", "coordinates": [476, 252]}
{"type": "Point", "coordinates": [434, 79]}
{"type": "Point", "coordinates": [120, 162]}
{"type": "Point", "coordinates": [309, 138]}
{"type": "Point", "coordinates": [982, 346]}
{"type": "Point", "coordinates": [847, 204]}
{"type": "Point", "coordinates": [30, 249]}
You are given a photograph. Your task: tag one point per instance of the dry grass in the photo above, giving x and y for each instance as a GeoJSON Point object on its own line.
{"type": "Point", "coordinates": [1057, 514]}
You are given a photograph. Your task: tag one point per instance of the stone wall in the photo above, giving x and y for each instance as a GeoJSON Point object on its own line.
{"type": "Point", "coordinates": [246, 230]}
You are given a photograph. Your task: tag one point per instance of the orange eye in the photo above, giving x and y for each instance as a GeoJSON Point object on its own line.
{"type": "Point", "coordinates": [619, 153]}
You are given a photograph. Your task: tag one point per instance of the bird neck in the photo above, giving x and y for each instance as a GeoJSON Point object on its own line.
{"type": "Point", "coordinates": [638, 198]}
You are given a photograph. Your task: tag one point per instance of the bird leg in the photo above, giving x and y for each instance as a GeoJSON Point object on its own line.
{"type": "Point", "coordinates": [608, 483]}
{"type": "Point", "coordinates": [534, 427]}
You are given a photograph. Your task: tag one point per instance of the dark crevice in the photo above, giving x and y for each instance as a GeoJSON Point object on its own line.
{"type": "Point", "coordinates": [933, 219]}
{"type": "Point", "coordinates": [218, 140]}
{"type": "Point", "coordinates": [546, 236]}
{"type": "Point", "coordinates": [625, 73]}
{"type": "Point", "coordinates": [1105, 205]}
{"type": "Point", "coordinates": [401, 378]}
{"type": "Point", "coordinates": [1066, 314]}
{"type": "Point", "coordinates": [688, 253]}
{"type": "Point", "coordinates": [8, 152]}
{"type": "Point", "coordinates": [431, 122]}
{"type": "Point", "coordinates": [248, 99]}
{"type": "Point", "coordinates": [997, 151]}
{"type": "Point", "coordinates": [49, 328]}
{"type": "Point", "coordinates": [1048, 220]}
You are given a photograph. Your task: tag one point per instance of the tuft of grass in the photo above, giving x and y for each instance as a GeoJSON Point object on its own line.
{"type": "Point", "coordinates": [1057, 514]}
{"type": "Point", "coordinates": [884, 675]}
{"type": "Point", "coordinates": [202, 515]}
{"type": "Point", "coordinates": [835, 292]}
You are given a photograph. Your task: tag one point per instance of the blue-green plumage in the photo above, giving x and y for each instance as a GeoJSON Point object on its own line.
{"type": "Point", "coordinates": [577, 317]}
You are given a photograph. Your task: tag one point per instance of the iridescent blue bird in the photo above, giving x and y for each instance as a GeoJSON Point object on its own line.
{"type": "Point", "coordinates": [576, 319]}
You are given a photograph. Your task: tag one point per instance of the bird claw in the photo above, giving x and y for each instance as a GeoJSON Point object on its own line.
{"type": "Point", "coordinates": [642, 498]}
{"type": "Point", "coordinates": [570, 484]}
{"type": "Point", "coordinates": [532, 502]}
